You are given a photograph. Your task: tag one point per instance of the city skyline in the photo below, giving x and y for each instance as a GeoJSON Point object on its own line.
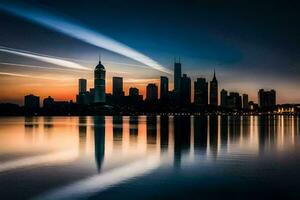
{"type": "Point", "coordinates": [248, 51]}
{"type": "Point", "coordinates": [203, 94]}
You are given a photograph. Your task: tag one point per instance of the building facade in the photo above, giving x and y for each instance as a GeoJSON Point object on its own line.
{"type": "Point", "coordinates": [224, 98]}
{"type": "Point", "coordinates": [201, 92]}
{"type": "Point", "coordinates": [177, 77]}
{"type": "Point", "coordinates": [118, 87]}
{"type": "Point", "coordinates": [99, 83]}
{"type": "Point", "coordinates": [213, 91]}
{"type": "Point", "coordinates": [185, 90]}
{"type": "Point", "coordinates": [164, 88]}
{"type": "Point", "coordinates": [82, 85]}
{"type": "Point", "coordinates": [152, 92]}
{"type": "Point", "coordinates": [266, 99]}
{"type": "Point", "coordinates": [31, 102]}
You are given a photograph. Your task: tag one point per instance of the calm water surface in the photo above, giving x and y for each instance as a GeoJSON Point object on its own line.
{"type": "Point", "coordinates": [198, 157]}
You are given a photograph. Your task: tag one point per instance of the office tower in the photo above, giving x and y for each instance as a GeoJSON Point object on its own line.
{"type": "Point", "coordinates": [118, 87]}
{"type": "Point", "coordinates": [185, 90]}
{"type": "Point", "coordinates": [261, 99]}
{"type": "Point", "coordinates": [99, 82]}
{"type": "Point", "coordinates": [234, 100]}
{"type": "Point", "coordinates": [266, 98]}
{"type": "Point", "coordinates": [224, 98]}
{"type": "Point", "coordinates": [272, 98]}
{"type": "Point", "coordinates": [81, 85]}
{"type": "Point", "coordinates": [134, 95]}
{"type": "Point", "coordinates": [164, 88]}
{"type": "Point", "coordinates": [201, 92]}
{"type": "Point", "coordinates": [48, 103]}
{"type": "Point", "coordinates": [177, 77]}
{"type": "Point", "coordinates": [152, 92]}
{"type": "Point", "coordinates": [213, 91]}
{"type": "Point", "coordinates": [133, 92]}
{"type": "Point", "coordinates": [31, 102]}
{"type": "Point", "coordinates": [245, 101]}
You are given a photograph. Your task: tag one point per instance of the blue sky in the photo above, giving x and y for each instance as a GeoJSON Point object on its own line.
{"type": "Point", "coordinates": [251, 44]}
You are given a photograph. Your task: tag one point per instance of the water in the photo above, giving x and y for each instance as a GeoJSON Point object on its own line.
{"type": "Point", "coordinates": [198, 157]}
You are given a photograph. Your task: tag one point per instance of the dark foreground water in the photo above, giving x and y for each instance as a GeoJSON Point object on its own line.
{"type": "Point", "coordinates": [150, 157]}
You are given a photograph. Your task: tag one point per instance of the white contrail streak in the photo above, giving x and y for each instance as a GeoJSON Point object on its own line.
{"type": "Point", "coordinates": [81, 33]}
{"type": "Point", "coordinates": [29, 76]}
{"type": "Point", "coordinates": [43, 58]}
{"type": "Point", "coordinates": [39, 67]}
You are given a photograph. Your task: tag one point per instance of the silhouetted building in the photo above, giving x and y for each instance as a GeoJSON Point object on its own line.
{"type": "Point", "coordinates": [133, 92]}
{"type": "Point", "coordinates": [266, 99]}
{"type": "Point", "coordinates": [185, 90]}
{"type": "Point", "coordinates": [177, 77]}
{"type": "Point", "coordinates": [31, 102]}
{"type": "Point", "coordinates": [234, 100]}
{"type": "Point", "coordinates": [48, 103]}
{"type": "Point", "coordinates": [245, 101]}
{"type": "Point", "coordinates": [134, 95]}
{"type": "Point", "coordinates": [253, 106]}
{"type": "Point", "coordinates": [213, 91]}
{"type": "Point", "coordinates": [201, 92]}
{"type": "Point", "coordinates": [118, 87]}
{"type": "Point", "coordinates": [164, 88]}
{"type": "Point", "coordinates": [224, 98]}
{"type": "Point", "coordinates": [152, 92]}
{"type": "Point", "coordinates": [82, 85]}
{"type": "Point", "coordinates": [99, 76]}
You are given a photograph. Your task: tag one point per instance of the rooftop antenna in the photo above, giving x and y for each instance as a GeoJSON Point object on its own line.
{"type": "Point", "coordinates": [100, 57]}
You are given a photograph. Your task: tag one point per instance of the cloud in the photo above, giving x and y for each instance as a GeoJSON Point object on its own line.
{"type": "Point", "coordinates": [81, 33]}
{"type": "Point", "coordinates": [44, 58]}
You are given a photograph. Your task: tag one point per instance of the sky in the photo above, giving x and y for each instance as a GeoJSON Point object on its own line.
{"type": "Point", "coordinates": [46, 46]}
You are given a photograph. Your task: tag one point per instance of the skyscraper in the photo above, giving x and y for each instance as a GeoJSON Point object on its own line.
{"type": "Point", "coordinates": [266, 99]}
{"type": "Point", "coordinates": [201, 92]}
{"type": "Point", "coordinates": [31, 102]}
{"type": "Point", "coordinates": [185, 90]}
{"type": "Point", "coordinates": [133, 92]}
{"type": "Point", "coordinates": [118, 87]}
{"type": "Point", "coordinates": [152, 92]}
{"type": "Point", "coordinates": [164, 88]}
{"type": "Point", "coordinates": [224, 98]}
{"type": "Point", "coordinates": [99, 82]}
{"type": "Point", "coordinates": [81, 85]}
{"type": "Point", "coordinates": [213, 91]}
{"type": "Point", "coordinates": [245, 101]}
{"type": "Point", "coordinates": [234, 100]}
{"type": "Point", "coordinates": [177, 77]}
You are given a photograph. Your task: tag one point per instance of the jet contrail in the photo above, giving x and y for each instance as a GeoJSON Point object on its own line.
{"type": "Point", "coordinates": [39, 67]}
{"type": "Point", "coordinates": [28, 76]}
{"type": "Point", "coordinates": [81, 33]}
{"type": "Point", "coordinates": [44, 58]}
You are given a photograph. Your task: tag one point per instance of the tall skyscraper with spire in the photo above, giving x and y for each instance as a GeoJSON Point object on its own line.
{"type": "Point", "coordinates": [213, 91]}
{"type": "Point", "coordinates": [99, 82]}
{"type": "Point", "coordinates": [177, 76]}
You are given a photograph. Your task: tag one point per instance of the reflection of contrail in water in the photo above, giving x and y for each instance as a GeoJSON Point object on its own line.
{"type": "Point", "coordinates": [81, 33]}
{"type": "Point", "coordinates": [37, 160]}
{"type": "Point", "coordinates": [99, 183]}
{"type": "Point", "coordinates": [44, 58]}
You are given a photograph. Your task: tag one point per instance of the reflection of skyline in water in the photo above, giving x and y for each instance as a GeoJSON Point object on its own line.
{"type": "Point", "coordinates": [207, 135]}
{"type": "Point", "coordinates": [99, 136]}
{"type": "Point", "coordinates": [84, 149]}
